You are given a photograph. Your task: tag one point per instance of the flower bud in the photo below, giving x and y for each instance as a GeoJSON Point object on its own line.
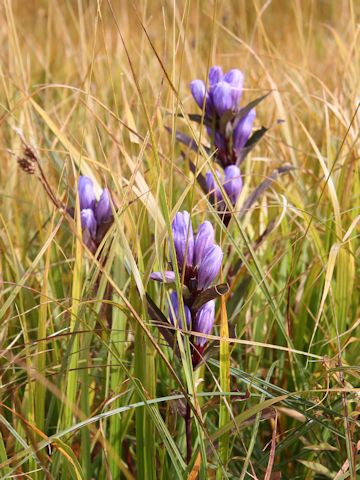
{"type": "Point", "coordinates": [86, 193]}
{"type": "Point", "coordinates": [183, 237]}
{"type": "Point", "coordinates": [220, 141]}
{"type": "Point", "coordinates": [174, 313]}
{"type": "Point", "coordinates": [235, 78]}
{"type": "Point", "coordinates": [204, 239]}
{"type": "Point", "coordinates": [209, 267]}
{"type": "Point", "coordinates": [198, 91]}
{"type": "Point", "coordinates": [168, 277]}
{"type": "Point", "coordinates": [213, 188]}
{"type": "Point", "coordinates": [88, 221]}
{"type": "Point", "coordinates": [103, 212]}
{"type": "Point", "coordinates": [233, 183]}
{"type": "Point", "coordinates": [222, 98]}
{"type": "Point", "coordinates": [204, 322]}
{"type": "Point", "coordinates": [243, 130]}
{"type": "Point", "coordinates": [215, 75]}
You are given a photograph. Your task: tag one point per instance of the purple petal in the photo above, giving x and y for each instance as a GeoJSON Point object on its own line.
{"type": "Point", "coordinates": [204, 239]}
{"type": "Point", "coordinates": [88, 221]}
{"type": "Point", "coordinates": [243, 130]}
{"type": "Point", "coordinates": [198, 91]}
{"type": "Point", "coordinates": [233, 183]}
{"type": "Point", "coordinates": [86, 193]}
{"type": "Point", "coordinates": [213, 187]}
{"type": "Point", "coordinates": [103, 212]}
{"type": "Point", "coordinates": [222, 97]}
{"type": "Point", "coordinates": [215, 75]}
{"type": "Point", "coordinates": [209, 267]}
{"type": "Point", "coordinates": [236, 79]}
{"type": "Point", "coordinates": [220, 141]}
{"type": "Point", "coordinates": [183, 236]}
{"type": "Point", "coordinates": [204, 321]}
{"type": "Point", "coordinates": [168, 277]}
{"type": "Point", "coordinates": [174, 313]}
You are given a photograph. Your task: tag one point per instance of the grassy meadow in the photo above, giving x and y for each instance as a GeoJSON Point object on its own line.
{"type": "Point", "coordinates": [89, 386]}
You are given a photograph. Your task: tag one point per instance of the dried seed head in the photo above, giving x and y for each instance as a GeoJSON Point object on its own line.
{"type": "Point", "coordinates": [26, 165]}
{"type": "Point", "coordinates": [28, 161]}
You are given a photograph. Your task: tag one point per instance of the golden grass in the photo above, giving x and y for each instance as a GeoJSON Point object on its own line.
{"type": "Point", "coordinates": [90, 102]}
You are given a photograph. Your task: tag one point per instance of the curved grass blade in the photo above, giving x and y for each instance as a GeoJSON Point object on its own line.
{"type": "Point", "coordinates": [249, 202]}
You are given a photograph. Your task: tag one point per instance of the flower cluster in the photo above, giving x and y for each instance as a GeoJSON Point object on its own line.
{"type": "Point", "coordinates": [228, 126]}
{"type": "Point", "coordinates": [232, 185]}
{"type": "Point", "coordinates": [96, 216]}
{"type": "Point", "coordinates": [229, 129]}
{"type": "Point", "coordinates": [199, 260]}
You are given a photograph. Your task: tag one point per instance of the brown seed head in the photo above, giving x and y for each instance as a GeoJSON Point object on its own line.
{"type": "Point", "coordinates": [28, 161]}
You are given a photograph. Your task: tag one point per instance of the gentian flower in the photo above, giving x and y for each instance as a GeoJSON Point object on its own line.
{"type": "Point", "coordinates": [232, 185]}
{"type": "Point", "coordinates": [86, 192]}
{"type": "Point", "coordinates": [224, 91]}
{"type": "Point", "coordinates": [95, 215]}
{"type": "Point", "coordinates": [214, 190]}
{"type": "Point", "coordinates": [103, 212]}
{"type": "Point", "coordinates": [222, 98]}
{"type": "Point", "coordinates": [169, 276]}
{"type": "Point", "coordinates": [242, 130]}
{"type": "Point", "coordinates": [183, 237]}
{"type": "Point", "coordinates": [204, 321]}
{"type": "Point", "coordinates": [209, 266]}
{"type": "Point", "coordinates": [88, 221]}
{"type": "Point", "coordinates": [204, 240]}
{"type": "Point", "coordinates": [199, 260]}
{"type": "Point", "coordinates": [174, 313]}
{"type": "Point", "coordinates": [223, 95]}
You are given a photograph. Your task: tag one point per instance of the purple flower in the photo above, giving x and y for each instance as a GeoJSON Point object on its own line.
{"type": "Point", "coordinates": [174, 312]}
{"type": "Point", "coordinates": [203, 256]}
{"type": "Point", "coordinates": [204, 239]}
{"type": "Point", "coordinates": [223, 94]}
{"type": "Point", "coordinates": [88, 221]}
{"type": "Point", "coordinates": [220, 141]}
{"type": "Point", "coordinates": [213, 187]}
{"type": "Point", "coordinates": [224, 91]}
{"type": "Point", "coordinates": [198, 91]}
{"type": "Point", "coordinates": [183, 237]}
{"type": "Point", "coordinates": [222, 97]}
{"type": "Point", "coordinates": [243, 130]}
{"type": "Point", "coordinates": [215, 75]}
{"type": "Point", "coordinates": [103, 212]}
{"type": "Point", "coordinates": [96, 216]}
{"type": "Point", "coordinates": [169, 276]}
{"type": "Point", "coordinates": [204, 322]}
{"type": "Point", "coordinates": [209, 267]}
{"type": "Point", "coordinates": [86, 193]}
{"type": "Point", "coordinates": [235, 78]}
{"type": "Point", "coordinates": [218, 138]}
{"type": "Point", "coordinates": [233, 183]}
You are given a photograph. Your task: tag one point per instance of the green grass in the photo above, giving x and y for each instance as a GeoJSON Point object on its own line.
{"type": "Point", "coordinates": [89, 388]}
